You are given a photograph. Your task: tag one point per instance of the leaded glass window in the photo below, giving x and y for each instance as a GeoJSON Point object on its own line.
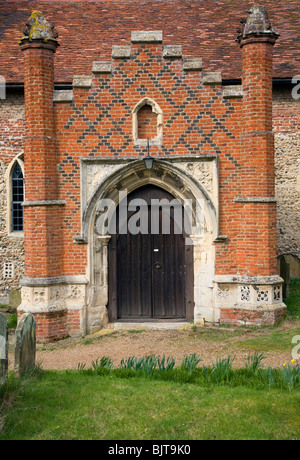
{"type": "Point", "coordinates": [17, 199]}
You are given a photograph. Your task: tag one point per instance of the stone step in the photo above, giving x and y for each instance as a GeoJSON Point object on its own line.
{"type": "Point", "coordinates": [151, 325]}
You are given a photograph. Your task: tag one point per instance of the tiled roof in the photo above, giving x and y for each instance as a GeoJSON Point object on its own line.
{"type": "Point", "coordinates": [206, 29]}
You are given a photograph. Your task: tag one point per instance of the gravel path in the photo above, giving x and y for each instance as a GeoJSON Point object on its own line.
{"type": "Point", "coordinates": [209, 344]}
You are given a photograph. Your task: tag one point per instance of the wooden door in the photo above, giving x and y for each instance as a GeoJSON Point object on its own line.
{"type": "Point", "coordinates": [150, 273]}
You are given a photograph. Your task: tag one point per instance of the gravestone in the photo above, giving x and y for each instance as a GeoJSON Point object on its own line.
{"type": "Point", "coordinates": [3, 349]}
{"type": "Point", "coordinates": [15, 298]}
{"type": "Point", "coordinates": [285, 274]}
{"type": "Point", "coordinates": [25, 347]}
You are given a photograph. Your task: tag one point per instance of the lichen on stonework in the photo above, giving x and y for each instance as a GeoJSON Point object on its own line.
{"type": "Point", "coordinates": [257, 22]}
{"type": "Point", "coordinates": [38, 28]}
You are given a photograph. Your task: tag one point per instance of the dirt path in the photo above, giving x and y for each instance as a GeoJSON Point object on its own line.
{"type": "Point", "coordinates": [209, 344]}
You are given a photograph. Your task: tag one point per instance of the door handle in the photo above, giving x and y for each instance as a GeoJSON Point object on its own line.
{"type": "Point", "coordinates": [157, 265]}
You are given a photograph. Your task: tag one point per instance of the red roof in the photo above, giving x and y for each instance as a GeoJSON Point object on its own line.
{"type": "Point", "coordinates": [88, 29]}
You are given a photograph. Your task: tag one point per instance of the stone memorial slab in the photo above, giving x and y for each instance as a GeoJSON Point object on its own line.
{"type": "Point", "coordinates": [25, 348]}
{"type": "Point", "coordinates": [3, 349]}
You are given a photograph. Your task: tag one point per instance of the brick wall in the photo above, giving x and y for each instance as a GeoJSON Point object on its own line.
{"type": "Point", "coordinates": [195, 117]}
{"type": "Point", "coordinates": [42, 213]}
{"type": "Point", "coordinates": [197, 120]}
{"type": "Point", "coordinates": [56, 325]}
{"type": "Point", "coordinates": [257, 237]}
{"type": "Point", "coordinates": [285, 122]}
{"type": "Point", "coordinates": [147, 123]}
{"type": "Point", "coordinates": [238, 317]}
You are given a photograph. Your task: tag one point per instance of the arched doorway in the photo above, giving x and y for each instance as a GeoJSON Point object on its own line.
{"type": "Point", "coordinates": [104, 184]}
{"type": "Point", "coordinates": [150, 264]}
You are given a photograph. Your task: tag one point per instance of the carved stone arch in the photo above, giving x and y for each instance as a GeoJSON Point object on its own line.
{"type": "Point", "coordinates": [175, 179]}
{"type": "Point", "coordinates": [17, 159]}
{"type": "Point", "coordinates": [180, 183]}
{"type": "Point", "coordinates": [157, 140]}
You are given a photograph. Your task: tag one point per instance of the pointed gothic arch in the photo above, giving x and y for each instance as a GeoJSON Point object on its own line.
{"type": "Point", "coordinates": [180, 184]}
{"type": "Point", "coordinates": [14, 177]}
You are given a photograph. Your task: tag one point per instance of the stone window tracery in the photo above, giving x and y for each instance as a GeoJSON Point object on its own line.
{"type": "Point", "coordinates": [17, 219]}
{"type": "Point", "coordinates": [15, 195]}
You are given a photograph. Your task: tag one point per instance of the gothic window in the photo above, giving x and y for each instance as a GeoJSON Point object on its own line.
{"type": "Point", "coordinates": [17, 198]}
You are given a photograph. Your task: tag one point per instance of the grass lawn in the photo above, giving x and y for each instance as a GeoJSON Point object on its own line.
{"type": "Point", "coordinates": [69, 405]}
{"type": "Point", "coordinates": [277, 340]}
{"type": "Point", "coordinates": [176, 404]}
{"type": "Point", "coordinates": [293, 302]}
{"type": "Point", "coordinates": [11, 315]}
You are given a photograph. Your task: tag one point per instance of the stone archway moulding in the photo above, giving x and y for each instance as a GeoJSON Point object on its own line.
{"type": "Point", "coordinates": [186, 178]}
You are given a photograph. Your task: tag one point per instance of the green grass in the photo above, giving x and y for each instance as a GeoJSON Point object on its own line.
{"type": "Point", "coordinates": [149, 398]}
{"type": "Point", "coordinates": [69, 405]}
{"type": "Point", "coordinates": [221, 334]}
{"type": "Point", "coordinates": [274, 340]}
{"type": "Point", "coordinates": [12, 319]}
{"type": "Point", "coordinates": [293, 301]}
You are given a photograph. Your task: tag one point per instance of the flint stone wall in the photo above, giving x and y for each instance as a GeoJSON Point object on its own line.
{"type": "Point", "coordinates": [286, 122]}
{"type": "Point", "coordinates": [11, 145]}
